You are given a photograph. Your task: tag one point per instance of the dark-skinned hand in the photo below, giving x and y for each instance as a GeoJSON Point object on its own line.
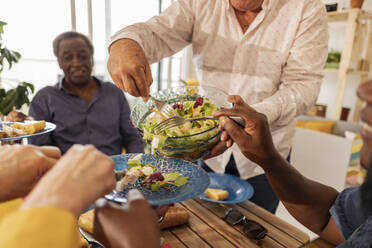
{"type": "Point", "coordinates": [254, 140]}
{"type": "Point", "coordinates": [134, 225]}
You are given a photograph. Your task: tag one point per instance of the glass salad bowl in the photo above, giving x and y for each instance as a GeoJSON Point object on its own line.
{"type": "Point", "coordinates": [188, 147]}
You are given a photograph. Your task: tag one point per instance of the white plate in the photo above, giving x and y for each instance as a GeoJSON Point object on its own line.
{"type": "Point", "coordinates": [49, 127]}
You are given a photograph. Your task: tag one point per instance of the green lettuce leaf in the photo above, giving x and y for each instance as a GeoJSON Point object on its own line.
{"type": "Point", "coordinates": [180, 181]}
{"type": "Point", "coordinates": [171, 176]}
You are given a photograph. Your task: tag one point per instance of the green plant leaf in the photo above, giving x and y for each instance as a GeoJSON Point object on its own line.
{"type": "Point", "coordinates": [8, 102]}
{"type": "Point", "coordinates": [17, 54]}
{"type": "Point", "coordinates": [2, 24]}
{"type": "Point", "coordinates": [29, 86]}
{"type": "Point", "coordinates": [2, 94]}
{"type": "Point", "coordinates": [10, 56]}
{"type": "Point", "coordinates": [22, 96]}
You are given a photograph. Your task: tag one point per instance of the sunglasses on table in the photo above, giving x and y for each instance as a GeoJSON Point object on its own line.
{"type": "Point", "coordinates": [251, 228]}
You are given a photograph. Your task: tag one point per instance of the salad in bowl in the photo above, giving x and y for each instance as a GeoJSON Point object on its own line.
{"type": "Point", "coordinates": [192, 140]}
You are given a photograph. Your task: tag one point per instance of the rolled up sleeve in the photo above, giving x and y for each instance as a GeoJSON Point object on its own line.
{"type": "Point", "coordinates": [162, 35]}
{"type": "Point", "coordinates": [347, 211]}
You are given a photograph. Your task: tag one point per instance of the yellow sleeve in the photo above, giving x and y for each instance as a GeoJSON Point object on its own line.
{"type": "Point", "coordinates": [9, 207]}
{"type": "Point", "coordinates": [39, 227]}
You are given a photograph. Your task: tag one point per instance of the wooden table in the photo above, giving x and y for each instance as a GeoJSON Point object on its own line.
{"type": "Point", "coordinates": [207, 229]}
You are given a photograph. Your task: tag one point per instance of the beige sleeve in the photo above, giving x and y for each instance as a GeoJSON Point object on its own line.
{"type": "Point", "coordinates": [162, 35]}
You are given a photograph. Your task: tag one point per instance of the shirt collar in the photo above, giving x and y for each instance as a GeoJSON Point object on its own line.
{"type": "Point", "coordinates": [267, 4]}
{"type": "Point", "coordinates": [61, 79]}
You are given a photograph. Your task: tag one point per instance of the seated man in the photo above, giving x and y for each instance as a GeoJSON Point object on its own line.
{"type": "Point", "coordinates": [345, 218]}
{"type": "Point", "coordinates": [85, 109]}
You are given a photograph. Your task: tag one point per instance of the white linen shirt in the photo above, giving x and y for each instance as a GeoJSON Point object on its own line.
{"type": "Point", "coordinates": [276, 65]}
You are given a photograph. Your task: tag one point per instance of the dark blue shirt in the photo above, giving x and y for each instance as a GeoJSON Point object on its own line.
{"type": "Point", "coordinates": [353, 221]}
{"type": "Point", "coordinates": [103, 123]}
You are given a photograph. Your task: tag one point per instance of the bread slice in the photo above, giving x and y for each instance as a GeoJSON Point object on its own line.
{"type": "Point", "coordinates": [86, 221]}
{"type": "Point", "coordinates": [175, 216]}
{"type": "Point", "coordinates": [30, 128]}
{"type": "Point", "coordinates": [216, 194]}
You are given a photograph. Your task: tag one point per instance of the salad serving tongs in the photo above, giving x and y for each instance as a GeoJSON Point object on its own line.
{"type": "Point", "coordinates": [177, 120]}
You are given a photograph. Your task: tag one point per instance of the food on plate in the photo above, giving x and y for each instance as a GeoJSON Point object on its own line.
{"type": "Point", "coordinates": [29, 128]}
{"type": "Point", "coordinates": [83, 243]}
{"type": "Point", "coordinates": [216, 194]}
{"type": "Point", "coordinates": [16, 116]}
{"type": "Point", "coordinates": [147, 175]}
{"type": "Point", "coordinates": [130, 177]}
{"type": "Point", "coordinates": [12, 132]}
{"type": "Point", "coordinates": [201, 107]}
{"type": "Point", "coordinates": [20, 129]}
{"type": "Point", "coordinates": [86, 221]}
{"type": "Point", "coordinates": [3, 134]}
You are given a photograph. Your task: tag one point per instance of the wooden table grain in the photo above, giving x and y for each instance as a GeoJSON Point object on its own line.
{"type": "Point", "coordinates": [206, 228]}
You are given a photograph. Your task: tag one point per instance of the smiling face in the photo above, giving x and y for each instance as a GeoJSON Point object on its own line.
{"type": "Point", "coordinates": [76, 61]}
{"type": "Point", "coordinates": [246, 5]}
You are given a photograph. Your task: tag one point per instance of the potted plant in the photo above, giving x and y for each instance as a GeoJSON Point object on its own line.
{"type": "Point", "coordinates": [333, 60]}
{"type": "Point", "coordinates": [13, 98]}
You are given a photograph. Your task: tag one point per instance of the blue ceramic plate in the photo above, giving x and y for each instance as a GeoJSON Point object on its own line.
{"type": "Point", "coordinates": [238, 189]}
{"type": "Point", "coordinates": [49, 127]}
{"type": "Point", "coordinates": [197, 183]}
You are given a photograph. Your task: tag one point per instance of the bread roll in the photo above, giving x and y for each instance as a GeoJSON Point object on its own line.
{"type": "Point", "coordinates": [175, 216]}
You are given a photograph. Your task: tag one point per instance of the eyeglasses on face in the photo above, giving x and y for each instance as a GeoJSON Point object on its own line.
{"type": "Point", "coordinates": [251, 228]}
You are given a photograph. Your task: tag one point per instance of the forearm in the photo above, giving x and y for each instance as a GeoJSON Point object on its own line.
{"type": "Point", "coordinates": [306, 200]}
{"type": "Point", "coordinates": [162, 35]}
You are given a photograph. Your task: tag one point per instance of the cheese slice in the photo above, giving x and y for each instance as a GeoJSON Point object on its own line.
{"type": "Point", "coordinates": [216, 194]}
